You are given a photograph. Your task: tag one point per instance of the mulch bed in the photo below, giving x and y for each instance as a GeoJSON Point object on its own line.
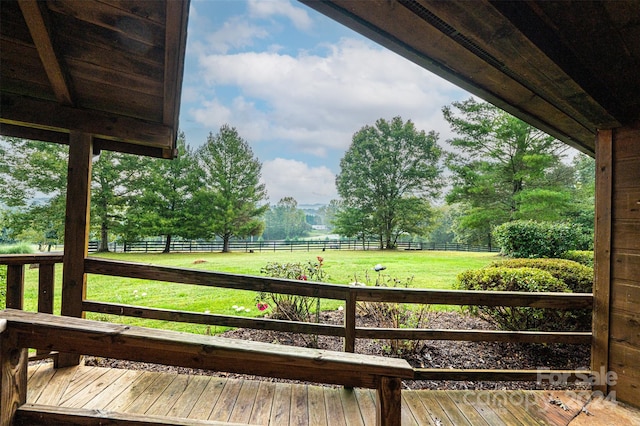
{"type": "Point", "coordinates": [429, 354]}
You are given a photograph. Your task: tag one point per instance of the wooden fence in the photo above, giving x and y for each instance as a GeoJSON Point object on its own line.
{"type": "Point", "coordinates": [350, 295]}
{"type": "Point", "coordinates": [280, 245]}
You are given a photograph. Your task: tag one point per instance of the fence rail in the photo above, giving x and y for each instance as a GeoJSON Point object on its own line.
{"type": "Point", "coordinates": [280, 245]}
{"type": "Point", "coordinates": [351, 295]}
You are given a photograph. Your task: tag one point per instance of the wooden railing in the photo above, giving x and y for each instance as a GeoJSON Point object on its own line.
{"type": "Point", "coordinates": [350, 295]}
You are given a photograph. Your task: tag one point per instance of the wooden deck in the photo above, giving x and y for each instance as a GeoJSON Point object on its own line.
{"type": "Point", "coordinates": [265, 403]}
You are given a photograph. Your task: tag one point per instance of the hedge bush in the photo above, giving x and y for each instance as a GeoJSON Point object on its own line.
{"type": "Point", "coordinates": [521, 318]}
{"type": "Point", "coordinates": [577, 277]}
{"type": "Point", "coordinates": [535, 239]}
{"type": "Point", "coordinates": [584, 257]}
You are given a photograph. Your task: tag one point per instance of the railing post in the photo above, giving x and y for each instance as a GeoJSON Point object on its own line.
{"type": "Point", "coordinates": [15, 286]}
{"type": "Point", "coordinates": [46, 286]}
{"type": "Point", "coordinates": [46, 278]}
{"type": "Point", "coordinates": [13, 376]}
{"type": "Point", "coordinates": [389, 402]}
{"type": "Point", "coordinates": [350, 321]}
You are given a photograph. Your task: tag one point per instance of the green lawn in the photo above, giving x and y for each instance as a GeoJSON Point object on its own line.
{"type": "Point", "coordinates": [430, 269]}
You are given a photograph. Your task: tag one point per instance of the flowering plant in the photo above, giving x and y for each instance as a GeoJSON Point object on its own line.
{"type": "Point", "coordinates": [293, 307]}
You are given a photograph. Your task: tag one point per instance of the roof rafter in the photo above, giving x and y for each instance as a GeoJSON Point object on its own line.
{"type": "Point", "coordinates": [38, 23]}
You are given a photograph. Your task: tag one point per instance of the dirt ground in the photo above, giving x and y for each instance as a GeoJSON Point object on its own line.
{"type": "Point", "coordinates": [428, 354]}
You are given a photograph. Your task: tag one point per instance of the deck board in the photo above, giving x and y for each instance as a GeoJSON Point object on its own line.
{"type": "Point", "coordinates": [208, 399]}
{"type": "Point", "coordinates": [266, 403]}
{"type": "Point", "coordinates": [227, 400]}
{"type": "Point", "coordinates": [244, 404]}
{"type": "Point", "coordinates": [186, 402]}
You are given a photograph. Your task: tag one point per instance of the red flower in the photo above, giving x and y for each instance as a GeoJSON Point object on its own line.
{"type": "Point", "coordinates": [262, 306]}
{"type": "Point", "coordinates": [320, 259]}
{"type": "Point", "coordinates": [302, 277]}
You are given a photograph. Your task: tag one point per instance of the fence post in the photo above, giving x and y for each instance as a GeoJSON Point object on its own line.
{"type": "Point", "coordinates": [350, 321]}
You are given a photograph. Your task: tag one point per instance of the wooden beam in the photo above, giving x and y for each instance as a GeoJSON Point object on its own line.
{"type": "Point", "coordinates": [389, 402]}
{"type": "Point", "coordinates": [13, 375]}
{"type": "Point", "coordinates": [47, 115]}
{"type": "Point", "coordinates": [175, 42]}
{"type": "Point", "coordinates": [32, 414]}
{"type": "Point", "coordinates": [603, 230]}
{"type": "Point", "coordinates": [502, 375]}
{"type": "Point", "coordinates": [76, 233]}
{"type": "Point", "coordinates": [37, 20]}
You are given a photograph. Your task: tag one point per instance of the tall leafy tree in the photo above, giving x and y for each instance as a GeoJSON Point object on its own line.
{"type": "Point", "coordinates": [165, 205]}
{"type": "Point", "coordinates": [285, 221]}
{"type": "Point", "coordinates": [502, 168]}
{"type": "Point", "coordinates": [389, 173]}
{"type": "Point", "coordinates": [116, 180]}
{"type": "Point", "coordinates": [34, 180]}
{"type": "Point", "coordinates": [230, 202]}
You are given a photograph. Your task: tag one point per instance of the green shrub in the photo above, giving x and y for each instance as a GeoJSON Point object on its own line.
{"type": "Point", "coordinates": [535, 239]}
{"type": "Point", "coordinates": [520, 318]}
{"type": "Point", "coordinates": [584, 257]}
{"type": "Point", "coordinates": [577, 277]}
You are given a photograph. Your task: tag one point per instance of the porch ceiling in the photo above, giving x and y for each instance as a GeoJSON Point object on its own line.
{"type": "Point", "coordinates": [110, 68]}
{"type": "Point", "coordinates": [566, 67]}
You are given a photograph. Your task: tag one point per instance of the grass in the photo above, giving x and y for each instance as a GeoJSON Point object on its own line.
{"type": "Point", "coordinates": [430, 269]}
{"type": "Point", "coordinates": [16, 249]}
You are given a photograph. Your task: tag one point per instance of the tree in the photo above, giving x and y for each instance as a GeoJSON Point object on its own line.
{"type": "Point", "coordinates": [229, 202]}
{"type": "Point", "coordinates": [354, 222]}
{"type": "Point", "coordinates": [285, 221]}
{"type": "Point", "coordinates": [166, 206]}
{"type": "Point", "coordinates": [389, 173]}
{"type": "Point", "coordinates": [34, 180]}
{"type": "Point", "coordinates": [116, 180]}
{"type": "Point", "coordinates": [328, 213]}
{"type": "Point", "coordinates": [502, 167]}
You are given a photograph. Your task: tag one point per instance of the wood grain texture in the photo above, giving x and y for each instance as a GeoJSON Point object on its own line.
{"type": "Point", "coordinates": [15, 286]}
{"type": "Point", "coordinates": [389, 402]}
{"type": "Point", "coordinates": [13, 377]}
{"type": "Point", "coordinates": [602, 252]}
{"type": "Point", "coordinates": [76, 234]}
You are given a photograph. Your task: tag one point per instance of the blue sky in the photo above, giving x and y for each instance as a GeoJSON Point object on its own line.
{"type": "Point", "coordinates": [297, 86]}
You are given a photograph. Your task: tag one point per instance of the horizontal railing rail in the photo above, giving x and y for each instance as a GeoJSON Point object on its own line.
{"type": "Point", "coordinates": [350, 295]}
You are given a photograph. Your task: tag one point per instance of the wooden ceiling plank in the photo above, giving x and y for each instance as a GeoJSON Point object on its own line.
{"type": "Point", "coordinates": [487, 29]}
{"type": "Point", "coordinates": [37, 21]}
{"type": "Point", "coordinates": [114, 18]}
{"type": "Point", "coordinates": [47, 115]}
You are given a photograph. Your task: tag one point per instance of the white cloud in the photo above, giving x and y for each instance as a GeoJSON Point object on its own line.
{"type": "Point", "coordinates": [235, 33]}
{"type": "Point", "coordinates": [293, 178]}
{"type": "Point", "coordinates": [266, 9]}
{"type": "Point", "coordinates": [318, 102]}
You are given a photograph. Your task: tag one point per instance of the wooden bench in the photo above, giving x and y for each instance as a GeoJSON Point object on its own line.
{"type": "Point", "coordinates": [20, 330]}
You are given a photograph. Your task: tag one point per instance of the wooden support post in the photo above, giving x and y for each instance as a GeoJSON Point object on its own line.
{"type": "Point", "coordinates": [389, 402]}
{"type": "Point", "coordinates": [15, 286]}
{"type": "Point", "coordinates": [76, 233]}
{"type": "Point", "coordinates": [13, 376]}
{"type": "Point", "coordinates": [603, 230]}
{"type": "Point", "coordinates": [350, 322]}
